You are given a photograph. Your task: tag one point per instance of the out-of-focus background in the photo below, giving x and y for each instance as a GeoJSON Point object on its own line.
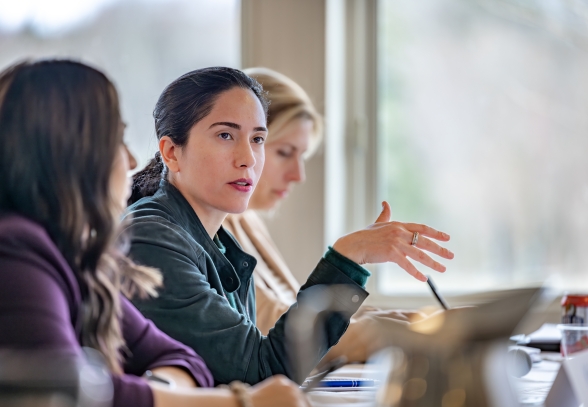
{"type": "Point", "coordinates": [142, 45]}
{"type": "Point", "coordinates": [468, 115]}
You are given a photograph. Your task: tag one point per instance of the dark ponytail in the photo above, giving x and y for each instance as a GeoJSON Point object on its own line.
{"type": "Point", "coordinates": [183, 103]}
{"type": "Point", "coordinates": [146, 181]}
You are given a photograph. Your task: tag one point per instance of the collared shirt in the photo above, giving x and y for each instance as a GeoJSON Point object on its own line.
{"type": "Point", "coordinates": [166, 233]}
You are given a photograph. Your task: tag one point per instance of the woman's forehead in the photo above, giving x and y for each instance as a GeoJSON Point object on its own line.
{"type": "Point", "coordinates": [298, 131]}
{"type": "Point", "coordinates": [237, 103]}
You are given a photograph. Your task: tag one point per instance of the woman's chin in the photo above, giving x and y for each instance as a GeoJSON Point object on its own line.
{"type": "Point", "coordinates": [237, 208]}
{"type": "Point", "coordinates": [267, 204]}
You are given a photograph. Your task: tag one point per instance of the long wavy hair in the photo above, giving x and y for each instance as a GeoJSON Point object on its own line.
{"type": "Point", "coordinates": [60, 130]}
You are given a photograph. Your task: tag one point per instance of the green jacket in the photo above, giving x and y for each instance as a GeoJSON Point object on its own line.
{"type": "Point", "coordinates": [193, 308]}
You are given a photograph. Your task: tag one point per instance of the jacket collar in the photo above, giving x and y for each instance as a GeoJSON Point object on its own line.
{"type": "Point", "coordinates": [186, 217]}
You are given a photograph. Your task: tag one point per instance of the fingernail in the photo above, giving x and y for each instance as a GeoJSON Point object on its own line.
{"type": "Point", "coordinates": [382, 204]}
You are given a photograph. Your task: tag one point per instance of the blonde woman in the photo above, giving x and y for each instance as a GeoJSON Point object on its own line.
{"type": "Point", "coordinates": [295, 131]}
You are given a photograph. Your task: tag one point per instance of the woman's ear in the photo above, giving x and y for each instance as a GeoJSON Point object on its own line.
{"type": "Point", "coordinates": [169, 151]}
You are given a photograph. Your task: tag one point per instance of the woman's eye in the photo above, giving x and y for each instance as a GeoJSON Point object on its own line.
{"type": "Point", "coordinates": [226, 136]}
{"type": "Point", "coordinates": [283, 153]}
{"type": "Point", "coordinates": [258, 140]}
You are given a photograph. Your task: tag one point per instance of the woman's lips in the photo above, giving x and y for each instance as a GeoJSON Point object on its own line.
{"type": "Point", "coordinates": [242, 184]}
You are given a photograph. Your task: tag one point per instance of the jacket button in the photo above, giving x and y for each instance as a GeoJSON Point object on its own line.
{"type": "Point", "coordinates": [355, 298]}
{"type": "Point", "coordinates": [245, 264]}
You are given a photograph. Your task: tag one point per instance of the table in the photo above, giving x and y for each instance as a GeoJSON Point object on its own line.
{"type": "Point", "coordinates": [358, 398]}
{"type": "Point", "coordinates": [531, 388]}
{"type": "Point", "coordinates": [534, 386]}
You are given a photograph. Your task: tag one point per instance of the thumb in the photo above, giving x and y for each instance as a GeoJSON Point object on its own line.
{"type": "Point", "coordinates": [386, 213]}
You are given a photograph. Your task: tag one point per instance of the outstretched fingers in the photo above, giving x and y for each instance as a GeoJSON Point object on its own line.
{"type": "Point", "coordinates": [432, 247]}
{"type": "Point", "coordinates": [385, 241]}
{"type": "Point", "coordinates": [406, 232]}
{"type": "Point", "coordinates": [427, 231]}
{"type": "Point", "coordinates": [425, 259]}
{"type": "Point", "coordinates": [410, 268]}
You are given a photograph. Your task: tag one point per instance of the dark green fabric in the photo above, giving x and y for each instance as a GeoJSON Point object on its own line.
{"type": "Point", "coordinates": [166, 233]}
{"type": "Point", "coordinates": [223, 250]}
{"type": "Point", "coordinates": [352, 269]}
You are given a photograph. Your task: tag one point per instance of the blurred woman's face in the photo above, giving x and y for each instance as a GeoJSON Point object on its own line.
{"type": "Point", "coordinates": [120, 183]}
{"type": "Point", "coordinates": [284, 163]}
{"type": "Point", "coordinates": [220, 165]}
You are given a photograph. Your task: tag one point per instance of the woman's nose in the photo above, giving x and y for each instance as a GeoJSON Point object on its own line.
{"type": "Point", "coordinates": [297, 173]}
{"type": "Point", "coordinates": [245, 156]}
{"type": "Point", "coordinates": [131, 157]}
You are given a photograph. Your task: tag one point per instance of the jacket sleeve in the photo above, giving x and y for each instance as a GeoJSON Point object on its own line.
{"type": "Point", "coordinates": [193, 312]}
{"type": "Point", "coordinates": [35, 311]}
{"type": "Point", "coordinates": [150, 348]}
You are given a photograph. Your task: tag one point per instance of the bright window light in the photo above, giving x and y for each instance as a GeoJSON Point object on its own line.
{"type": "Point", "coordinates": [48, 17]}
{"type": "Point", "coordinates": [484, 135]}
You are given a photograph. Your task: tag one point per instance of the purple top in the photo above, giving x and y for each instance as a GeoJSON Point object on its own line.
{"type": "Point", "coordinates": [40, 302]}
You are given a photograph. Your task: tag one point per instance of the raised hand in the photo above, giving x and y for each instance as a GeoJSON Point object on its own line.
{"type": "Point", "coordinates": [386, 241]}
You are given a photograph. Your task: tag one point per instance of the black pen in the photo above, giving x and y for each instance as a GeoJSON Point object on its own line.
{"type": "Point", "coordinates": [436, 293]}
{"type": "Point", "coordinates": [316, 380]}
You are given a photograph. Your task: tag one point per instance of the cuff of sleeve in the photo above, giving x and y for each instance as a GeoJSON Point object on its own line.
{"type": "Point", "coordinates": [353, 270]}
{"type": "Point", "coordinates": [131, 390]}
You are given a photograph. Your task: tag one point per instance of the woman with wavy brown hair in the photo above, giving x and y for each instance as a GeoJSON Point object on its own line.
{"type": "Point", "coordinates": [64, 186]}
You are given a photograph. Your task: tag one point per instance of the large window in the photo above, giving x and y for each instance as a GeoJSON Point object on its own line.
{"type": "Point", "coordinates": [483, 133]}
{"type": "Point", "coordinates": [141, 44]}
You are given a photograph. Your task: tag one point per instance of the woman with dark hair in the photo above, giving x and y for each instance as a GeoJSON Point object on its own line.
{"type": "Point", "coordinates": [211, 126]}
{"type": "Point", "coordinates": [296, 132]}
{"type": "Point", "coordinates": [64, 186]}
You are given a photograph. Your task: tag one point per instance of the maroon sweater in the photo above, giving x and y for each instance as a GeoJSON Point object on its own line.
{"type": "Point", "coordinates": [40, 309]}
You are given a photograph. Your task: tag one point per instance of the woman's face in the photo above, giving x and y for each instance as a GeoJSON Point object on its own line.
{"type": "Point", "coordinates": [219, 167]}
{"type": "Point", "coordinates": [284, 163]}
{"type": "Point", "coordinates": [120, 183]}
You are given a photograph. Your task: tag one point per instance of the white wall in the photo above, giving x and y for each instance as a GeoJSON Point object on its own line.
{"type": "Point", "coordinates": [289, 36]}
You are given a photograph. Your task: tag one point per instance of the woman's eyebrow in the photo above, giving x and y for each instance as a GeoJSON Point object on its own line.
{"type": "Point", "coordinates": [292, 146]}
{"type": "Point", "coordinates": [228, 124]}
{"type": "Point", "coordinates": [235, 126]}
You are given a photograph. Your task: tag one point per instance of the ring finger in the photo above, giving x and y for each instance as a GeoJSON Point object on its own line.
{"type": "Point", "coordinates": [430, 246]}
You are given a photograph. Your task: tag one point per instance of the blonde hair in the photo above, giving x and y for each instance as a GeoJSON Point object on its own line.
{"type": "Point", "coordinates": [288, 101]}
